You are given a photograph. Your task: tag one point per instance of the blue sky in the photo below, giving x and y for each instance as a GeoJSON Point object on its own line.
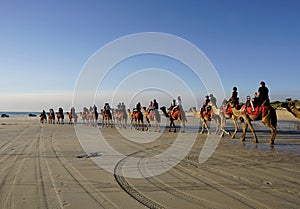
{"type": "Point", "coordinates": [45, 44]}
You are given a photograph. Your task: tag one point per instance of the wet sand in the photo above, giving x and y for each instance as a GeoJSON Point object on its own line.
{"type": "Point", "coordinates": [44, 166]}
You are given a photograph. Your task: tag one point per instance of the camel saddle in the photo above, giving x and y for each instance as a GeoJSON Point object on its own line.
{"type": "Point", "coordinates": [151, 114]}
{"type": "Point", "coordinates": [226, 109]}
{"type": "Point", "coordinates": [175, 114]}
{"type": "Point", "coordinates": [258, 110]}
{"type": "Point", "coordinates": [207, 114]}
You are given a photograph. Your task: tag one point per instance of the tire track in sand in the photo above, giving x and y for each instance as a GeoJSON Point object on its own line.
{"type": "Point", "coordinates": [11, 170]}
{"type": "Point", "coordinates": [98, 197]}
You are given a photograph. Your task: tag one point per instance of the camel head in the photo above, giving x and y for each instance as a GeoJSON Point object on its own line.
{"type": "Point", "coordinates": [193, 109]}
{"type": "Point", "coordinates": [196, 114]}
{"type": "Point", "coordinates": [163, 109]}
{"type": "Point", "coordinates": [288, 105]}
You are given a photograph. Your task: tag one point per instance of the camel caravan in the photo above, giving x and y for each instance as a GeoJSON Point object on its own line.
{"type": "Point", "coordinates": [52, 117]}
{"type": "Point", "coordinates": [143, 118]}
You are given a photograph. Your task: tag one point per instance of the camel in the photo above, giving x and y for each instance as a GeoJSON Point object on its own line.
{"type": "Point", "coordinates": [138, 119]}
{"type": "Point", "coordinates": [106, 118]}
{"type": "Point", "coordinates": [83, 116]}
{"type": "Point", "coordinates": [60, 118]}
{"type": "Point", "coordinates": [72, 118]}
{"type": "Point", "coordinates": [152, 116]}
{"type": "Point", "coordinates": [225, 113]}
{"type": "Point", "coordinates": [176, 115]}
{"type": "Point", "coordinates": [51, 118]}
{"type": "Point", "coordinates": [120, 117]}
{"type": "Point", "coordinates": [291, 107]}
{"type": "Point", "coordinates": [43, 117]}
{"type": "Point", "coordinates": [204, 117]}
{"type": "Point", "coordinates": [88, 117]}
{"type": "Point", "coordinates": [266, 114]}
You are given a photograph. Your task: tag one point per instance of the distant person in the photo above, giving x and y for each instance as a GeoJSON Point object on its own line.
{"type": "Point", "coordinates": [61, 112]}
{"type": "Point", "coordinates": [95, 111]}
{"type": "Point", "coordinates": [263, 94]}
{"type": "Point", "coordinates": [72, 111]}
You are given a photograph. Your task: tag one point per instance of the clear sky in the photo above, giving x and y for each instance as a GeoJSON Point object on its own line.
{"type": "Point", "coordinates": [45, 44]}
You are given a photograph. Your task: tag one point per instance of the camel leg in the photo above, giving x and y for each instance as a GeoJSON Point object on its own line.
{"type": "Point", "coordinates": [174, 127]}
{"type": "Point", "coordinates": [223, 124]}
{"type": "Point", "coordinates": [218, 129]}
{"type": "Point", "coordinates": [222, 127]}
{"type": "Point", "coordinates": [207, 128]}
{"type": "Point", "coordinates": [202, 128]}
{"type": "Point", "coordinates": [147, 125]}
{"type": "Point", "coordinates": [183, 127]}
{"type": "Point", "coordinates": [172, 124]}
{"type": "Point", "coordinates": [157, 127]}
{"type": "Point", "coordinates": [267, 122]}
{"type": "Point", "coordinates": [245, 127]}
{"type": "Point", "coordinates": [253, 132]}
{"type": "Point", "coordinates": [131, 123]}
{"type": "Point", "coordinates": [274, 133]}
{"type": "Point", "coordinates": [236, 125]}
{"type": "Point", "coordinates": [204, 125]}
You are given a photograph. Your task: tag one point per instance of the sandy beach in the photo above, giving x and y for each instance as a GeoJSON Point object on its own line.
{"type": "Point", "coordinates": [44, 166]}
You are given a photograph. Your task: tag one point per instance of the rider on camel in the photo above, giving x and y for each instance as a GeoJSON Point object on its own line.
{"type": "Point", "coordinates": [150, 107]}
{"type": "Point", "coordinates": [107, 109]}
{"type": "Point", "coordinates": [263, 94]}
{"type": "Point", "coordinates": [178, 105]}
{"type": "Point", "coordinates": [173, 104]}
{"type": "Point", "coordinates": [138, 108]}
{"type": "Point", "coordinates": [234, 96]}
{"type": "Point", "coordinates": [205, 105]}
{"type": "Point", "coordinates": [123, 108]}
{"type": "Point", "coordinates": [213, 99]}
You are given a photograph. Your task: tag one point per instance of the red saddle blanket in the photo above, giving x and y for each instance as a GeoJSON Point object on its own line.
{"type": "Point", "coordinates": [175, 114]}
{"type": "Point", "coordinates": [151, 114]}
{"type": "Point", "coordinates": [227, 110]}
{"type": "Point", "coordinates": [207, 114]}
{"type": "Point", "coordinates": [259, 110]}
